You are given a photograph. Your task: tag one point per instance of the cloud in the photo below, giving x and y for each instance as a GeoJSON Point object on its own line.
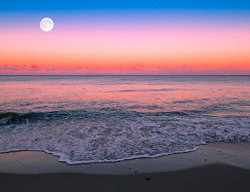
{"type": "Point", "coordinates": [36, 70]}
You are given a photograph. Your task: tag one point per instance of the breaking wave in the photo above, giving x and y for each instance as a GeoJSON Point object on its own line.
{"type": "Point", "coordinates": [107, 135]}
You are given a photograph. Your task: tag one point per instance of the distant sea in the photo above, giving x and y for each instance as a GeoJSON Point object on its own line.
{"type": "Point", "coordinates": [86, 119]}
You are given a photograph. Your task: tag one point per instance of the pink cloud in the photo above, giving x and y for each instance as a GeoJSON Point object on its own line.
{"type": "Point", "coordinates": [140, 71]}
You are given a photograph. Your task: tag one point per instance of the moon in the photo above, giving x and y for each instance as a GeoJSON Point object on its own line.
{"type": "Point", "coordinates": [46, 24]}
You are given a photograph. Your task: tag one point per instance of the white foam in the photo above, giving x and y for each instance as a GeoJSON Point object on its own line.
{"type": "Point", "coordinates": [115, 137]}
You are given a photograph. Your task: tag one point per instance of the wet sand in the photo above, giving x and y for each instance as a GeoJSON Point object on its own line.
{"type": "Point", "coordinates": [213, 167]}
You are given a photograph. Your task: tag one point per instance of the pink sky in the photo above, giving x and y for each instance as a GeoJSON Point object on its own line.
{"type": "Point", "coordinates": [176, 48]}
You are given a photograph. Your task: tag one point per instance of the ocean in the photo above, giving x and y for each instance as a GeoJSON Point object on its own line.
{"type": "Point", "coordinates": [87, 119]}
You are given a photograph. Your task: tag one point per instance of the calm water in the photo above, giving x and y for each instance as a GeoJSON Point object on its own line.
{"type": "Point", "coordinates": [86, 119]}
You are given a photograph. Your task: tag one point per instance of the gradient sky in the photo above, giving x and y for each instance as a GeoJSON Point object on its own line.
{"type": "Point", "coordinates": [130, 37]}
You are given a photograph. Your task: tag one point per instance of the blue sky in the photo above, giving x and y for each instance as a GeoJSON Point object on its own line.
{"type": "Point", "coordinates": [23, 5]}
{"type": "Point", "coordinates": [120, 34]}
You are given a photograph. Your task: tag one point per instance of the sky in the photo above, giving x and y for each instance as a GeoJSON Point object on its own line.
{"type": "Point", "coordinates": [125, 37]}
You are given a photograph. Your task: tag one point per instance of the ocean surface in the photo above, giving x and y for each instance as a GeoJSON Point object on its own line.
{"type": "Point", "coordinates": [85, 119]}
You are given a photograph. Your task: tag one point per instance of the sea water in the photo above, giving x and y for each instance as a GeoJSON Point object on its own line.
{"type": "Point", "coordinates": [84, 119]}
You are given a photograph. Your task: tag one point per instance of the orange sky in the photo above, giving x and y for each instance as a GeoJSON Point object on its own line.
{"type": "Point", "coordinates": [120, 47]}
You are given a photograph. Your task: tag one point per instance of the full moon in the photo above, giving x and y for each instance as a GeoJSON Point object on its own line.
{"type": "Point", "coordinates": [46, 24]}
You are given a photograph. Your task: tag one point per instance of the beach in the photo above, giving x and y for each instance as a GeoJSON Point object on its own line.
{"type": "Point", "coordinates": [212, 167]}
{"type": "Point", "coordinates": [124, 133]}
{"type": "Point", "coordinates": [125, 96]}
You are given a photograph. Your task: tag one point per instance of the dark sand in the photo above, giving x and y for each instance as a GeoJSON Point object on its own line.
{"type": "Point", "coordinates": [214, 167]}
{"type": "Point", "coordinates": [214, 177]}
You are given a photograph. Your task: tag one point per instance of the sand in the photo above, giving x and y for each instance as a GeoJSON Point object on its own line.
{"type": "Point", "coordinates": [213, 167]}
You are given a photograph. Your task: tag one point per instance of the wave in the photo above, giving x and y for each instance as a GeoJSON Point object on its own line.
{"type": "Point", "coordinates": [144, 90]}
{"type": "Point", "coordinates": [109, 135]}
{"type": "Point", "coordinates": [21, 118]}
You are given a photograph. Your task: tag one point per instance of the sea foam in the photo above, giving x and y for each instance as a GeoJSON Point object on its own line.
{"type": "Point", "coordinates": [87, 137]}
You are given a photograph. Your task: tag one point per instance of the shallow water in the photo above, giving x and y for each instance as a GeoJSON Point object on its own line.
{"type": "Point", "coordinates": [110, 118]}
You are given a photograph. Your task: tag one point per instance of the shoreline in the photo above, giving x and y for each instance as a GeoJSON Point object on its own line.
{"type": "Point", "coordinates": [214, 167]}
{"type": "Point", "coordinates": [37, 162]}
